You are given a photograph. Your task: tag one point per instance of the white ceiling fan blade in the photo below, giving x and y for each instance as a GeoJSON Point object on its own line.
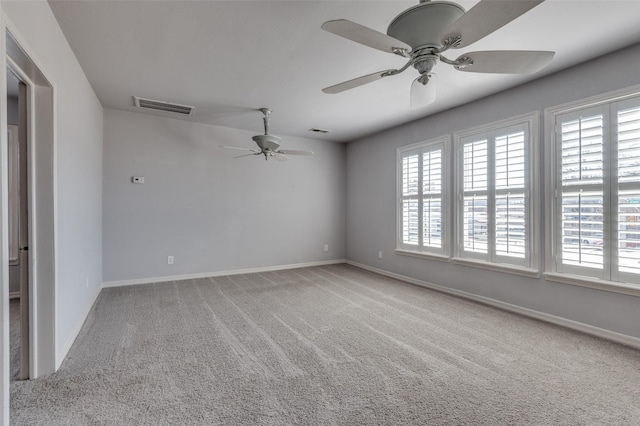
{"type": "Point", "coordinates": [486, 17]}
{"type": "Point", "coordinates": [294, 152]}
{"type": "Point", "coordinates": [507, 61]}
{"type": "Point", "coordinates": [423, 95]}
{"type": "Point", "coordinates": [367, 36]}
{"type": "Point", "coordinates": [356, 82]}
{"type": "Point", "coordinates": [280, 157]}
{"type": "Point", "coordinates": [247, 155]}
{"type": "Point", "coordinates": [238, 148]}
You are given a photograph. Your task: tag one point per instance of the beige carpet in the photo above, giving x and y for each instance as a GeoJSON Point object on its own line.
{"type": "Point", "coordinates": [323, 346]}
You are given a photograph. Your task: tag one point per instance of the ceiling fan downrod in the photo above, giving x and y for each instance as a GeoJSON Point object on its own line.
{"type": "Point", "coordinates": [266, 118]}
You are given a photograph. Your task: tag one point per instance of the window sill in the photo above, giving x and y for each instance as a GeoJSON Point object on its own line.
{"type": "Point", "coordinates": [430, 256]}
{"type": "Point", "coordinates": [582, 281]}
{"type": "Point", "coordinates": [498, 267]}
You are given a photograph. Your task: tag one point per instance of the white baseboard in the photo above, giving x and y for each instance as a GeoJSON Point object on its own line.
{"type": "Point", "coordinates": [62, 353]}
{"type": "Point", "coordinates": [14, 295]}
{"type": "Point", "coordinates": [564, 322]}
{"type": "Point", "coordinates": [107, 284]}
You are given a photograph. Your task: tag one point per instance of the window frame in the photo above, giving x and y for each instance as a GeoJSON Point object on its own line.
{"type": "Point", "coordinates": [529, 265]}
{"type": "Point", "coordinates": [442, 143]}
{"type": "Point", "coordinates": [558, 192]}
{"type": "Point", "coordinates": [607, 278]}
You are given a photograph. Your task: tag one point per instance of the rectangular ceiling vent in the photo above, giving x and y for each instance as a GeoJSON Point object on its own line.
{"type": "Point", "coordinates": [163, 106]}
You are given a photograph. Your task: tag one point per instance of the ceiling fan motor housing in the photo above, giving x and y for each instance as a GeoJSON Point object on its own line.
{"type": "Point", "coordinates": [424, 25]}
{"type": "Point", "coordinates": [267, 142]}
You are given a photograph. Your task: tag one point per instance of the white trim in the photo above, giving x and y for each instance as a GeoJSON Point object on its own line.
{"type": "Point", "coordinates": [613, 336]}
{"type": "Point", "coordinates": [608, 277]}
{"type": "Point", "coordinates": [497, 125]}
{"type": "Point", "coordinates": [441, 143]}
{"type": "Point", "coordinates": [4, 237]}
{"type": "Point", "coordinates": [549, 196]}
{"type": "Point", "coordinates": [531, 123]}
{"type": "Point", "coordinates": [584, 281]}
{"type": "Point", "coordinates": [497, 267]}
{"type": "Point", "coordinates": [423, 255]}
{"type": "Point", "coordinates": [108, 284]}
{"type": "Point", "coordinates": [54, 194]}
{"type": "Point", "coordinates": [14, 295]}
{"type": "Point", "coordinates": [607, 97]}
{"type": "Point", "coordinates": [64, 350]}
{"type": "Point", "coordinates": [42, 361]}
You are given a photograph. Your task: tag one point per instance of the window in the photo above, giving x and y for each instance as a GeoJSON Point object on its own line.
{"type": "Point", "coordinates": [597, 191]}
{"type": "Point", "coordinates": [422, 218]}
{"type": "Point", "coordinates": [494, 206]}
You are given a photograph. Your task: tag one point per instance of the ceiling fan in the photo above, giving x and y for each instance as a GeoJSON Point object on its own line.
{"type": "Point", "coordinates": [269, 144]}
{"type": "Point", "coordinates": [425, 31]}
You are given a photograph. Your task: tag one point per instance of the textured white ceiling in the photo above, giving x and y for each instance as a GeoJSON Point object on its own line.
{"type": "Point", "coordinates": [228, 58]}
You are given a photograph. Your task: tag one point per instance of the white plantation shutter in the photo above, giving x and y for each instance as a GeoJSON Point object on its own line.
{"type": "Point", "coordinates": [494, 206]}
{"type": "Point", "coordinates": [475, 172]}
{"type": "Point", "coordinates": [432, 198]}
{"type": "Point", "coordinates": [629, 145]}
{"type": "Point", "coordinates": [410, 223]}
{"type": "Point", "coordinates": [598, 191]}
{"type": "Point", "coordinates": [410, 211]}
{"type": "Point", "coordinates": [510, 179]}
{"type": "Point", "coordinates": [421, 197]}
{"type": "Point", "coordinates": [628, 176]}
{"type": "Point", "coordinates": [510, 161]}
{"type": "Point", "coordinates": [582, 229]}
{"type": "Point", "coordinates": [581, 137]}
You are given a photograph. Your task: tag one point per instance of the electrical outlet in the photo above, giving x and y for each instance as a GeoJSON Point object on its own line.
{"type": "Point", "coordinates": [137, 179]}
{"type": "Point", "coordinates": [170, 260]}
{"type": "Point", "coordinates": [380, 255]}
{"type": "Point", "coordinates": [326, 247]}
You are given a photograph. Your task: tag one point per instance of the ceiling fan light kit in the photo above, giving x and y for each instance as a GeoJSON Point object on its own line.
{"type": "Point", "coordinates": [423, 32]}
{"type": "Point", "coordinates": [269, 144]}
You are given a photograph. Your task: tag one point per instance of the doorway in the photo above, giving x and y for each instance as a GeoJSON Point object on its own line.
{"type": "Point", "coordinates": [36, 239]}
{"type": "Point", "coordinates": [18, 226]}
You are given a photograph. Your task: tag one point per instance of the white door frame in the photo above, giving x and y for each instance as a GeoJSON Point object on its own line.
{"type": "Point", "coordinates": [42, 207]}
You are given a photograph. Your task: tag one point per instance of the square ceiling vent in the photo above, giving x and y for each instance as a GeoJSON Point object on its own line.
{"type": "Point", "coordinates": [162, 106]}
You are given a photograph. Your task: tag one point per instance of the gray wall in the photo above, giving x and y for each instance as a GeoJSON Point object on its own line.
{"type": "Point", "coordinates": [212, 212]}
{"type": "Point", "coordinates": [371, 203]}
